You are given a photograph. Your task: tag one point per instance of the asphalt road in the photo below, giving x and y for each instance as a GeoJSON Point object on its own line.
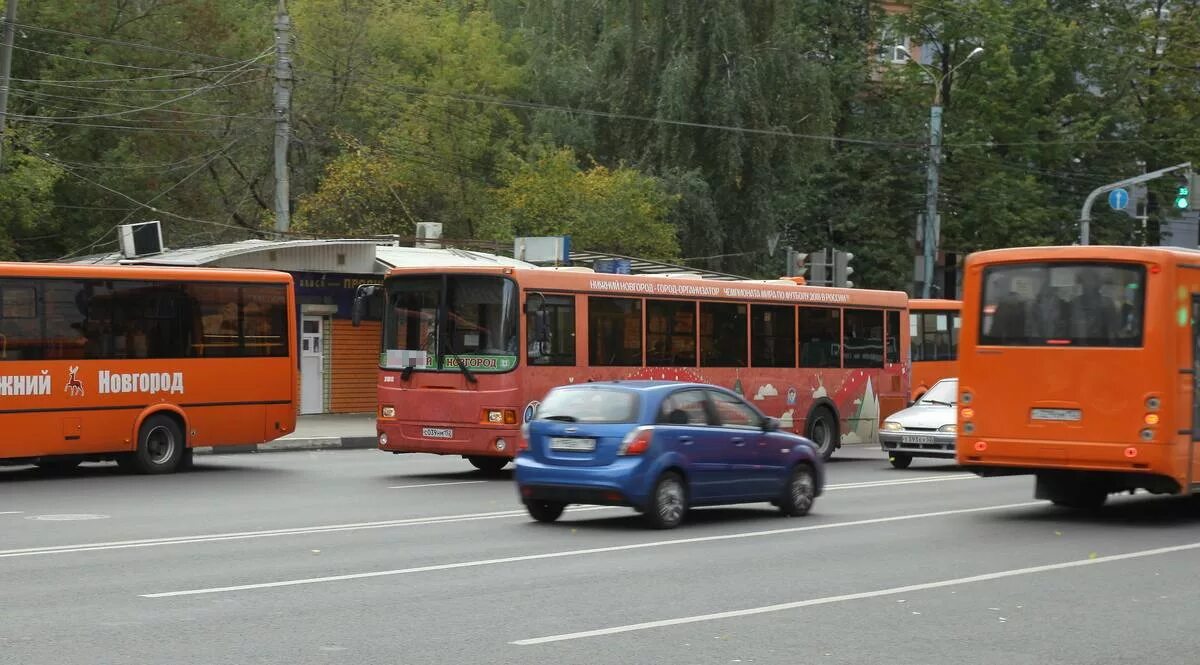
{"type": "Point", "coordinates": [360, 557]}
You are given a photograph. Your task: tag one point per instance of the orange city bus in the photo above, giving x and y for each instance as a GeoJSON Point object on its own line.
{"type": "Point", "coordinates": [468, 353]}
{"type": "Point", "coordinates": [142, 364]}
{"type": "Point", "coordinates": [1079, 365]}
{"type": "Point", "coordinates": [933, 327]}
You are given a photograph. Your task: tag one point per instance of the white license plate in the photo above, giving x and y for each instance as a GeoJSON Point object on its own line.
{"type": "Point", "coordinates": [437, 432]}
{"type": "Point", "coordinates": [572, 445]}
{"type": "Point", "coordinates": [917, 439]}
{"type": "Point", "coordinates": [1070, 415]}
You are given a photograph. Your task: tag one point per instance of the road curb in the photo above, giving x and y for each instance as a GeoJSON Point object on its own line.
{"type": "Point", "coordinates": [294, 444]}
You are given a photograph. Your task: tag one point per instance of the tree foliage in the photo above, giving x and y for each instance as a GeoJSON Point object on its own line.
{"type": "Point", "coordinates": [697, 131]}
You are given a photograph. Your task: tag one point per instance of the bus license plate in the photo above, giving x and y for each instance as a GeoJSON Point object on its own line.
{"type": "Point", "coordinates": [572, 445]}
{"type": "Point", "coordinates": [1070, 415]}
{"type": "Point", "coordinates": [916, 439]}
{"type": "Point", "coordinates": [437, 432]}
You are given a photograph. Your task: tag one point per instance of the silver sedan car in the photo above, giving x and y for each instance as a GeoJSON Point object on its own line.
{"type": "Point", "coordinates": [925, 429]}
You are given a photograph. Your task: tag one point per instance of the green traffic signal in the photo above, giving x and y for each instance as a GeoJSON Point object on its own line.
{"type": "Point", "coordinates": [1181, 198]}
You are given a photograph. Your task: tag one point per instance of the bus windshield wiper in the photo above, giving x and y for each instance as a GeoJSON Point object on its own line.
{"type": "Point", "coordinates": [461, 365]}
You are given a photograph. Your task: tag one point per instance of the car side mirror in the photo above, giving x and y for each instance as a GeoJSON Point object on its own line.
{"type": "Point", "coordinates": [910, 403]}
{"type": "Point", "coordinates": [770, 424]}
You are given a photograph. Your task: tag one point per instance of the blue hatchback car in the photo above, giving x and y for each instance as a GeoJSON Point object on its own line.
{"type": "Point", "coordinates": [660, 447]}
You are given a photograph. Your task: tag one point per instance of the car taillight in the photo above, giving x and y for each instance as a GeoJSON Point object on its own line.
{"type": "Point", "coordinates": [637, 441]}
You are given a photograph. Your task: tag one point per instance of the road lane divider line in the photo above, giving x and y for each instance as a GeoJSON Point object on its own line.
{"type": "Point", "coordinates": [583, 552]}
{"type": "Point", "coordinates": [298, 531]}
{"type": "Point", "coordinates": [11, 512]}
{"type": "Point", "coordinates": [335, 528]}
{"type": "Point", "coordinates": [457, 482]}
{"type": "Point", "coordinates": [902, 481]}
{"type": "Point", "coordinates": [909, 588]}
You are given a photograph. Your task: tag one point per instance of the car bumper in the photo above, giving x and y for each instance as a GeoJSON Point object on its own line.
{"type": "Point", "coordinates": [918, 444]}
{"type": "Point", "coordinates": [623, 483]}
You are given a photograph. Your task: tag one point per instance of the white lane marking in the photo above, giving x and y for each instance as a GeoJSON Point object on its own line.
{"type": "Point", "coordinates": [457, 482]}
{"type": "Point", "coordinates": [218, 537]}
{"type": "Point", "coordinates": [902, 481]}
{"type": "Point", "coordinates": [332, 528]}
{"type": "Point", "coordinates": [11, 512]}
{"type": "Point", "coordinates": [593, 550]}
{"type": "Point", "coordinates": [67, 517]}
{"type": "Point", "coordinates": [856, 596]}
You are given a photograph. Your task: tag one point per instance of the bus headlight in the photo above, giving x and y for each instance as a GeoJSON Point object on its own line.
{"type": "Point", "coordinates": [388, 412]}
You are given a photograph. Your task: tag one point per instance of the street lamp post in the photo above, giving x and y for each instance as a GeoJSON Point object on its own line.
{"type": "Point", "coordinates": [929, 230]}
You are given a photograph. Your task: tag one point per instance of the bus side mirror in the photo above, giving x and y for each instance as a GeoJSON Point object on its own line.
{"type": "Point", "coordinates": [362, 297]}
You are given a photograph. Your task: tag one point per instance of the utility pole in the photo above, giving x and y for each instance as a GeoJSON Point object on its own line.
{"type": "Point", "coordinates": [283, 111]}
{"type": "Point", "coordinates": [10, 19]}
{"type": "Point", "coordinates": [929, 244]}
{"type": "Point", "coordinates": [929, 236]}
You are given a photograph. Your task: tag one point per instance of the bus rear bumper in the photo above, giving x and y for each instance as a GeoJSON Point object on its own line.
{"type": "Point", "coordinates": [1154, 466]}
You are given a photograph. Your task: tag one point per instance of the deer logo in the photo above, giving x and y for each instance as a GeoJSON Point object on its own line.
{"type": "Point", "coordinates": [74, 385]}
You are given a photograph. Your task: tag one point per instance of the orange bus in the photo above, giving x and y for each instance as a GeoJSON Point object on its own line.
{"type": "Point", "coordinates": [933, 327]}
{"type": "Point", "coordinates": [1079, 366]}
{"type": "Point", "coordinates": [142, 364]}
{"type": "Point", "coordinates": [468, 353]}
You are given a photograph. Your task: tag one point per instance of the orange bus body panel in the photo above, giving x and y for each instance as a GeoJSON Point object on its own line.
{"type": "Point", "coordinates": [1136, 403]}
{"type": "Point", "coordinates": [446, 401]}
{"type": "Point", "coordinates": [94, 407]}
{"type": "Point", "coordinates": [925, 373]}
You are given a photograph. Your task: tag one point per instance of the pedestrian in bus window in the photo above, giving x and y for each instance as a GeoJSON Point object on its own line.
{"type": "Point", "coordinates": [1093, 314]}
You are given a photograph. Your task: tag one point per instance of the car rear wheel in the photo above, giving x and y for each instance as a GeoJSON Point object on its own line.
{"type": "Point", "coordinates": [488, 464]}
{"type": "Point", "coordinates": [900, 460]}
{"type": "Point", "coordinates": [668, 502]}
{"type": "Point", "coordinates": [823, 431]}
{"type": "Point", "coordinates": [545, 511]}
{"type": "Point", "coordinates": [800, 492]}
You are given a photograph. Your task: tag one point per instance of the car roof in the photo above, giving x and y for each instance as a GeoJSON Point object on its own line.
{"type": "Point", "coordinates": [644, 386]}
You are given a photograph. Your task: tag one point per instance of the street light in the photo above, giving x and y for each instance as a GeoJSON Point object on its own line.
{"type": "Point", "coordinates": [935, 158]}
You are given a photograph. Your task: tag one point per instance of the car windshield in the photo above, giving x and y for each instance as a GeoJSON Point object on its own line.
{"type": "Point", "coordinates": [943, 393]}
{"type": "Point", "coordinates": [589, 405]}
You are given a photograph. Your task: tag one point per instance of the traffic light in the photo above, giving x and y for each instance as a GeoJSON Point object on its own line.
{"type": "Point", "coordinates": [795, 263]}
{"type": "Point", "coordinates": [842, 268]}
{"type": "Point", "coordinates": [1183, 196]}
{"type": "Point", "coordinates": [818, 263]}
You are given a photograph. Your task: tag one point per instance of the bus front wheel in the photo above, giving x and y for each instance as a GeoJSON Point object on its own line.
{"type": "Point", "coordinates": [488, 464]}
{"type": "Point", "coordinates": [160, 447]}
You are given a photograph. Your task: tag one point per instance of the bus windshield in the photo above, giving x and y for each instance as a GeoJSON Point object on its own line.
{"type": "Point", "coordinates": [1063, 304]}
{"type": "Point", "coordinates": [436, 323]}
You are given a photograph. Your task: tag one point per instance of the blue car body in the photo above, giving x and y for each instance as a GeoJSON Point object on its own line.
{"type": "Point", "coordinates": [728, 452]}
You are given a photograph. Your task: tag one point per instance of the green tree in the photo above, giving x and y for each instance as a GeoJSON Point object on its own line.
{"type": "Point", "coordinates": [615, 210]}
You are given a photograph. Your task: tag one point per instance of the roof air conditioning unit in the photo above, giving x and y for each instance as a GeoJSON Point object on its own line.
{"type": "Point", "coordinates": [140, 239]}
{"type": "Point", "coordinates": [429, 234]}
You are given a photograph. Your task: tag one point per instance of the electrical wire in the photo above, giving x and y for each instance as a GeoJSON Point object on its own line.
{"type": "Point", "coordinates": [118, 42]}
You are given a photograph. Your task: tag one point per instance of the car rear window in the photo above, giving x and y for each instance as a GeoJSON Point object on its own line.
{"type": "Point", "coordinates": [1063, 304]}
{"type": "Point", "coordinates": [590, 405]}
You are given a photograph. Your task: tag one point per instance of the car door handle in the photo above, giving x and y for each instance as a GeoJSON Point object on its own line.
{"type": "Point", "coordinates": [739, 442]}
{"type": "Point", "coordinates": [686, 440]}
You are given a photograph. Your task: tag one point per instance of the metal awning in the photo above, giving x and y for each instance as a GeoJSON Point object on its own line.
{"type": "Point", "coordinates": [648, 267]}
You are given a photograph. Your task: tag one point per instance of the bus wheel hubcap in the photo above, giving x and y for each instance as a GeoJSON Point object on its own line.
{"type": "Point", "coordinates": [160, 445]}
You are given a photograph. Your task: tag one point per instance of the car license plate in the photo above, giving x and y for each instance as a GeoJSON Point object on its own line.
{"type": "Point", "coordinates": [572, 445]}
{"type": "Point", "coordinates": [1070, 415]}
{"type": "Point", "coordinates": [437, 432]}
{"type": "Point", "coordinates": [917, 439]}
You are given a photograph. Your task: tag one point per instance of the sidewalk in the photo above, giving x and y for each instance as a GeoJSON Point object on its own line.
{"type": "Point", "coordinates": [316, 432]}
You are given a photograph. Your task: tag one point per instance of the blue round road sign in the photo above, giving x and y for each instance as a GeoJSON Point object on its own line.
{"type": "Point", "coordinates": [1118, 199]}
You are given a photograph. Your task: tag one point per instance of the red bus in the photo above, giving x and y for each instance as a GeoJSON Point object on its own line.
{"type": "Point", "coordinates": [1080, 367]}
{"type": "Point", "coordinates": [468, 353]}
{"type": "Point", "coordinates": [142, 364]}
{"type": "Point", "coordinates": [933, 327]}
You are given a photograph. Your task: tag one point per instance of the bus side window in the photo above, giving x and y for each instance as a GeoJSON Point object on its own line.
{"type": "Point", "coordinates": [820, 337]}
{"type": "Point", "coordinates": [550, 330]}
{"type": "Point", "coordinates": [893, 336]}
{"type": "Point", "coordinates": [20, 332]}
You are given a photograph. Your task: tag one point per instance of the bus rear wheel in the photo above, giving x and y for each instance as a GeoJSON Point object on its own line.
{"type": "Point", "coordinates": [59, 465]}
{"type": "Point", "coordinates": [160, 447]}
{"type": "Point", "coordinates": [823, 431]}
{"type": "Point", "coordinates": [488, 464]}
